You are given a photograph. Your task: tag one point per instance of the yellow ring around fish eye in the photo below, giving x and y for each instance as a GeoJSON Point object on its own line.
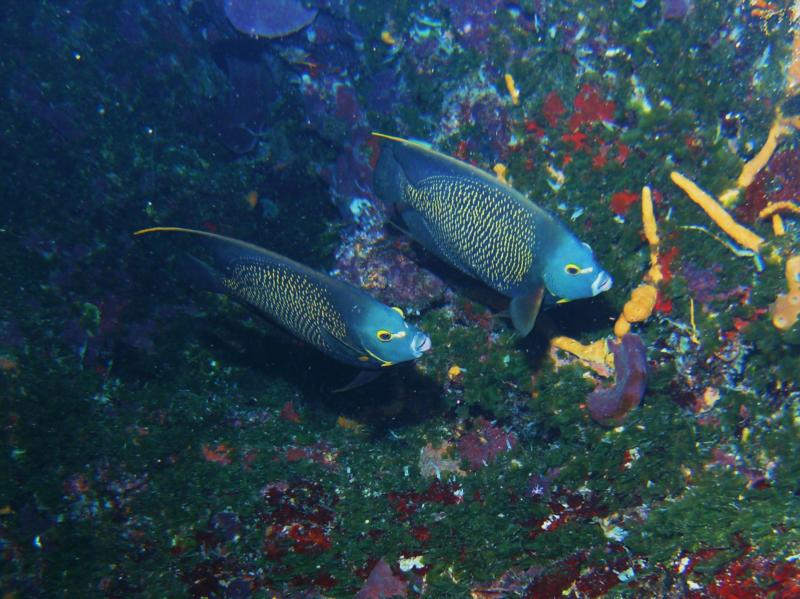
{"type": "Point", "coordinates": [384, 335]}
{"type": "Point", "coordinates": [572, 269]}
{"type": "Point", "coordinates": [399, 311]}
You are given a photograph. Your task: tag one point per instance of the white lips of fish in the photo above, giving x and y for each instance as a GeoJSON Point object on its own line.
{"type": "Point", "coordinates": [601, 283]}
{"type": "Point", "coordinates": [421, 344]}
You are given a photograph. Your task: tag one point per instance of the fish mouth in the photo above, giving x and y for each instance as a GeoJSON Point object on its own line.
{"type": "Point", "coordinates": [601, 283]}
{"type": "Point", "coordinates": [420, 344]}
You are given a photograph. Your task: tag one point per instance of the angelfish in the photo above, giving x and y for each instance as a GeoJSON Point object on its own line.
{"type": "Point", "coordinates": [340, 320]}
{"type": "Point", "coordinates": [486, 229]}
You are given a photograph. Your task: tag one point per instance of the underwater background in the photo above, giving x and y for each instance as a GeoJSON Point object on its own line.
{"type": "Point", "coordinates": [161, 442]}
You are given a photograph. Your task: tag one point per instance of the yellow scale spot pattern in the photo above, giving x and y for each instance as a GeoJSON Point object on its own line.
{"type": "Point", "coordinates": [288, 297]}
{"type": "Point", "coordinates": [478, 227]}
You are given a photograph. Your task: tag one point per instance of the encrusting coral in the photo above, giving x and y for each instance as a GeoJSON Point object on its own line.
{"type": "Point", "coordinates": [596, 353]}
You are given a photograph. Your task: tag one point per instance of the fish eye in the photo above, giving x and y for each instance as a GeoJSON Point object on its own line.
{"type": "Point", "coordinates": [572, 269]}
{"type": "Point", "coordinates": [384, 335]}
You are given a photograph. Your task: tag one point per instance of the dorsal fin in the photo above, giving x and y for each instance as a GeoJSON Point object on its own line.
{"type": "Point", "coordinates": [227, 247]}
{"type": "Point", "coordinates": [420, 161]}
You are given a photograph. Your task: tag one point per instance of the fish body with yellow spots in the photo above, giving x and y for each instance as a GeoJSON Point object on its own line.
{"type": "Point", "coordinates": [337, 318]}
{"type": "Point", "coordinates": [486, 229]}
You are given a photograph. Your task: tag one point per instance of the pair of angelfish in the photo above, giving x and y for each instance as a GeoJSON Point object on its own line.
{"type": "Point", "coordinates": [464, 215]}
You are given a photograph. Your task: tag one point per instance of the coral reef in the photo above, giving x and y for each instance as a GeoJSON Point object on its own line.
{"type": "Point", "coordinates": [158, 445]}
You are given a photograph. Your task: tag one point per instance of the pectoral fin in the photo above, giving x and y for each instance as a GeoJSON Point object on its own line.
{"type": "Point", "coordinates": [524, 310]}
{"type": "Point", "coordinates": [362, 378]}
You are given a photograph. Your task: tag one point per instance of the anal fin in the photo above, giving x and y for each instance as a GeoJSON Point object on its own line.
{"type": "Point", "coordinates": [362, 378]}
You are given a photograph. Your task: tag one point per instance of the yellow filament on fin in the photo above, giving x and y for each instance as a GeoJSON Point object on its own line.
{"type": "Point", "coordinates": [391, 137]}
{"type": "Point", "coordinates": [162, 229]}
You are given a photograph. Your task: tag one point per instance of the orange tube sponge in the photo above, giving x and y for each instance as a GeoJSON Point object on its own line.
{"type": "Point", "coordinates": [759, 161]}
{"type": "Point", "coordinates": [501, 170]}
{"type": "Point", "coordinates": [649, 218]}
{"type": "Point", "coordinates": [777, 225]}
{"type": "Point", "coordinates": [622, 327]}
{"type": "Point", "coordinates": [511, 86]}
{"type": "Point", "coordinates": [651, 234]}
{"type": "Point", "coordinates": [786, 309]}
{"type": "Point", "coordinates": [794, 64]}
{"type": "Point", "coordinates": [774, 207]}
{"type": "Point", "coordinates": [742, 235]}
{"type": "Point", "coordinates": [793, 273]}
{"type": "Point", "coordinates": [641, 304]}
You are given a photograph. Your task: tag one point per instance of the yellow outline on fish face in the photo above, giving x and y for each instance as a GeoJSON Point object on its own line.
{"type": "Point", "coordinates": [384, 363]}
{"type": "Point", "coordinates": [578, 270]}
{"type": "Point", "coordinates": [391, 337]}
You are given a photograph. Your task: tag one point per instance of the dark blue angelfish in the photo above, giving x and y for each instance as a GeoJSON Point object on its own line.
{"type": "Point", "coordinates": [337, 318]}
{"type": "Point", "coordinates": [486, 229]}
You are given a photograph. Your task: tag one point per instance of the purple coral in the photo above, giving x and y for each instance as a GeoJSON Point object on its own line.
{"type": "Point", "coordinates": [609, 406]}
{"type": "Point", "coordinates": [268, 18]}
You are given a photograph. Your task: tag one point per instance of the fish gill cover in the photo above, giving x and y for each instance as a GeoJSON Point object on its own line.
{"type": "Point", "coordinates": [162, 442]}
